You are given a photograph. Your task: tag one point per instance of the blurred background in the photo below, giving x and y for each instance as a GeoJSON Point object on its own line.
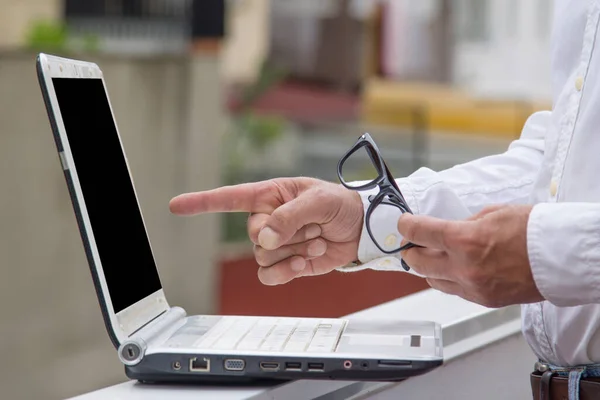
{"type": "Point", "coordinates": [213, 92]}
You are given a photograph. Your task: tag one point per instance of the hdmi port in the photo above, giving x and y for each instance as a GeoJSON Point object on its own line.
{"type": "Point", "coordinates": [269, 366]}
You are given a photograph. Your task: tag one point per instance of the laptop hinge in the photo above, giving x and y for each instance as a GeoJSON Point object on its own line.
{"type": "Point", "coordinates": [132, 351]}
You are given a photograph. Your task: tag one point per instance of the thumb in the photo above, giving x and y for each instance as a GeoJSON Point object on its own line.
{"type": "Point", "coordinates": [286, 220]}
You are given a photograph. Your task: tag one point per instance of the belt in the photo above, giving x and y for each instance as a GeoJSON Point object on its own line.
{"type": "Point", "coordinates": [553, 383]}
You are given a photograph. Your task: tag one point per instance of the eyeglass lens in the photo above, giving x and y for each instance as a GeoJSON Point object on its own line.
{"type": "Point", "coordinates": [359, 168]}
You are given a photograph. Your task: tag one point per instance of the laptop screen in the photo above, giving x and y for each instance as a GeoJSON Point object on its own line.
{"type": "Point", "coordinates": [117, 224]}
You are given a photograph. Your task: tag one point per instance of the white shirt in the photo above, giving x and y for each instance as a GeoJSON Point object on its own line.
{"type": "Point", "coordinates": [556, 166]}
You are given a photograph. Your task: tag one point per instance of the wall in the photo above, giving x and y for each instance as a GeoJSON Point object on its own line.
{"type": "Point", "coordinates": [16, 15]}
{"type": "Point", "coordinates": [53, 343]}
{"type": "Point", "coordinates": [507, 55]}
{"type": "Point", "coordinates": [247, 41]}
{"type": "Point", "coordinates": [329, 296]}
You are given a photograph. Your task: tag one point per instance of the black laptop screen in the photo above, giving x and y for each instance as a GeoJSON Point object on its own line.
{"type": "Point", "coordinates": [109, 196]}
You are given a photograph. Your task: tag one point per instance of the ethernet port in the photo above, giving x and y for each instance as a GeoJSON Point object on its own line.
{"type": "Point", "coordinates": [199, 364]}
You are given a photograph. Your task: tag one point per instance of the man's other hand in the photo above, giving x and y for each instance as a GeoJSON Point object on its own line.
{"type": "Point", "coordinates": [483, 259]}
{"type": "Point", "coordinates": [299, 226]}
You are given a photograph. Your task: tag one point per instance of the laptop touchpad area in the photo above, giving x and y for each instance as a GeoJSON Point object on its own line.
{"type": "Point", "coordinates": [405, 339]}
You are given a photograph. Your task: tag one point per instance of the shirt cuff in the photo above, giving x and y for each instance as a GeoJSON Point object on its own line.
{"type": "Point", "coordinates": [563, 242]}
{"type": "Point", "coordinates": [384, 225]}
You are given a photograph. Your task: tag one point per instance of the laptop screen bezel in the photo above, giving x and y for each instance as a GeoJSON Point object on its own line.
{"type": "Point", "coordinates": [132, 318]}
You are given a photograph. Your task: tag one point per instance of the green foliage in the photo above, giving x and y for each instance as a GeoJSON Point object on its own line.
{"type": "Point", "coordinates": [90, 43]}
{"type": "Point", "coordinates": [260, 130]}
{"type": "Point", "coordinates": [47, 35]}
{"type": "Point", "coordinates": [54, 36]}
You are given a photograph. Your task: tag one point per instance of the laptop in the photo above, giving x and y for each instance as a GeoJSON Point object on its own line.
{"type": "Point", "coordinates": [157, 342]}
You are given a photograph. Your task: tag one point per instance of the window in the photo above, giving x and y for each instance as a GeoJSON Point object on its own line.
{"type": "Point", "coordinates": [511, 21]}
{"type": "Point", "coordinates": [473, 20]}
{"type": "Point", "coordinates": [544, 21]}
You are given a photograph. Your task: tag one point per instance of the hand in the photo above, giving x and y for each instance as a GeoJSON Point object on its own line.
{"type": "Point", "coordinates": [299, 226]}
{"type": "Point", "coordinates": [483, 259]}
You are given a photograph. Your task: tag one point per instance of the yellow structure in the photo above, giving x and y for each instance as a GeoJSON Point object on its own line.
{"type": "Point", "coordinates": [445, 109]}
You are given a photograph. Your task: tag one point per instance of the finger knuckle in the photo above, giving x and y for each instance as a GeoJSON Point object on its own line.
{"type": "Point", "coordinates": [311, 231]}
{"type": "Point", "coordinates": [449, 235]}
{"type": "Point", "coordinates": [458, 235]}
{"type": "Point", "coordinates": [412, 229]}
{"type": "Point", "coordinates": [273, 189]}
{"type": "Point", "coordinates": [298, 249]}
{"type": "Point", "coordinates": [275, 275]}
{"type": "Point", "coordinates": [286, 188]}
{"type": "Point", "coordinates": [326, 201]}
{"type": "Point", "coordinates": [470, 241]}
{"type": "Point", "coordinates": [320, 194]}
{"type": "Point", "coordinates": [253, 229]}
{"type": "Point", "coordinates": [270, 187]}
{"type": "Point", "coordinates": [261, 256]}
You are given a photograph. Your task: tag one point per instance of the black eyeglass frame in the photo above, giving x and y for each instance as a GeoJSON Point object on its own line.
{"type": "Point", "coordinates": [389, 192]}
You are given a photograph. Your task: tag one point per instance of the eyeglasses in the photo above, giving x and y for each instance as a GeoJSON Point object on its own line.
{"type": "Point", "coordinates": [389, 194]}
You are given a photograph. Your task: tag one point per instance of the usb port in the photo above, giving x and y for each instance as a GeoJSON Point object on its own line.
{"type": "Point", "coordinates": [293, 366]}
{"type": "Point", "coordinates": [316, 367]}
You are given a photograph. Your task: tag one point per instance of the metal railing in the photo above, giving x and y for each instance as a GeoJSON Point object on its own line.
{"type": "Point", "coordinates": [145, 26]}
{"type": "Point", "coordinates": [126, 9]}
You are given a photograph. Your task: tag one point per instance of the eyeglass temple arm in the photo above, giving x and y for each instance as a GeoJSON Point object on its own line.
{"type": "Point", "coordinates": [407, 246]}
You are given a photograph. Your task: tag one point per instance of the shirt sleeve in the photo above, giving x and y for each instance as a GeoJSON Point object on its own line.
{"type": "Point", "coordinates": [458, 192]}
{"type": "Point", "coordinates": [563, 242]}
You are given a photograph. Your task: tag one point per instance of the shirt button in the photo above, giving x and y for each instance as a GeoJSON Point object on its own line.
{"type": "Point", "coordinates": [553, 188]}
{"type": "Point", "coordinates": [579, 83]}
{"type": "Point", "coordinates": [384, 263]}
{"type": "Point", "coordinates": [391, 240]}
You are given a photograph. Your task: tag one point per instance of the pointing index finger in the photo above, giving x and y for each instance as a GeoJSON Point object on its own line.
{"type": "Point", "coordinates": [247, 197]}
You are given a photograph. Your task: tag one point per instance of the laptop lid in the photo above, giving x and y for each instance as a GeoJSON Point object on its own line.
{"type": "Point", "coordinates": [103, 194]}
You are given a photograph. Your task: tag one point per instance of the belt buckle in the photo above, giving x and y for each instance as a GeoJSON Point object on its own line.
{"type": "Point", "coordinates": [541, 367]}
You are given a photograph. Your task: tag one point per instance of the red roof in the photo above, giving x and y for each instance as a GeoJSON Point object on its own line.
{"type": "Point", "coordinates": [306, 103]}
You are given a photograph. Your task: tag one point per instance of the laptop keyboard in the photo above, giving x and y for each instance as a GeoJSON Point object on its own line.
{"type": "Point", "coordinates": [273, 334]}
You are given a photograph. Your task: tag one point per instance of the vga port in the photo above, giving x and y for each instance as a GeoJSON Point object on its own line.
{"type": "Point", "coordinates": [234, 365]}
